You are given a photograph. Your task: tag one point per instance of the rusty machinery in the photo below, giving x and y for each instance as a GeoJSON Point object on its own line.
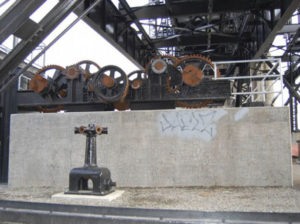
{"type": "Point", "coordinates": [100, 176]}
{"type": "Point", "coordinates": [166, 82]}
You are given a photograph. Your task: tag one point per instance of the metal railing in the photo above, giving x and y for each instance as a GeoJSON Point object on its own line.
{"type": "Point", "coordinates": [257, 90]}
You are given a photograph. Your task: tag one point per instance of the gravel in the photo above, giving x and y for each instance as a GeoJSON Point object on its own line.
{"type": "Point", "coordinates": [262, 199]}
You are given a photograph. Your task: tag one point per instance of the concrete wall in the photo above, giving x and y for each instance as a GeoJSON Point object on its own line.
{"type": "Point", "coordinates": [205, 147]}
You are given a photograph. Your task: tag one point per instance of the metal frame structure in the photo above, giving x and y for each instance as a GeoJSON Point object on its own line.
{"type": "Point", "coordinates": [219, 30]}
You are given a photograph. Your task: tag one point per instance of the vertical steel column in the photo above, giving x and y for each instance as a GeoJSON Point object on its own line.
{"type": "Point", "coordinates": [9, 106]}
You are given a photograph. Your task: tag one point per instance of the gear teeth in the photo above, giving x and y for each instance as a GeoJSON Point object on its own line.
{"type": "Point", "coordinates": [193, 106]}
{"type": "Point", "coordinates": [203, 58]}
{"type": "Point", "coordinates": [53, 110]}
{"type": "Point", "coordinates": [87, 74]}
{"type": "Point", "coordinates": [47, 67]}
{"type": "Point", "coordinates": [205, 103]}
{"type": "Point", "coordinates": [88, 62]}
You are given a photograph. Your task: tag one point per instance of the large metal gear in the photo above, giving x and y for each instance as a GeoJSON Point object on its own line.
{"type": "Point", "coordinates": [39, 82]}
{"type": "Point", "coordinates": [45, 86]}
{"type": "Point", "coordinates": [121, 106]}
{"type": "Point", "coordinates": [111, 84]}
{"type": "Point", "coordinates": [137, 79]}
{"type": "Point", "coordinates": [194, 69]}
{"type": "Point", "coordinates": [89, 67]}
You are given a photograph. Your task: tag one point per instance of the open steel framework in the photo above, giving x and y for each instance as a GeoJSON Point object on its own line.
{"type": "Point", "coordinates": [220, 30]}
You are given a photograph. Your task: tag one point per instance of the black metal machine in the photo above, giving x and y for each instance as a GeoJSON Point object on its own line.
{"type": "Point", "coordinates": [166, 82]}
{"type": "Point", "coordinates": [100, 176]}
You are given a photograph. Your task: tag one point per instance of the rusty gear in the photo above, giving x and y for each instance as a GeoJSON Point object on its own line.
{"type": "Point", "coordinates": [38, 83]}
{"type": "Point", "coordinates": [192, 76]}
{"type": "Point", "coordinates": [87, 68]}
{"type": "Point", "coordinates": [137, 79]}
{"type": "Point", "coordinates": [121, 106]}
{"type": "Point", "coordinates": [118, 91]}
{"type": "Point", "coordinates": [194, 58]}
{"type": "Point", "coordinates": [50, 110]}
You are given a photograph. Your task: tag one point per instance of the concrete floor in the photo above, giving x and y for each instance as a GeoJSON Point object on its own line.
{"type": "Point", "coordinates": [267, 199]}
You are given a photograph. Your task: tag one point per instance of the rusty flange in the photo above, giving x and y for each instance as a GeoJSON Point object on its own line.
{"type": "Point", "coordinates": [38, 83]}
{"type": "Point", "coordinates": [171, 57]}
{"type": "Point", "coordinates": [191, 75]}
{"type": "Point", "coordinates": [107, 81]}
{"type": "Point", "coordinates": [72, 72]}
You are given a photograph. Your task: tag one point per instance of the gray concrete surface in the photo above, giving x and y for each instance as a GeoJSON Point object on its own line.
{"type": "Point", "coordinates": [77, 198]}
{"type": "Point", "coordinates": [260, 199]}
{"type": "Point", "coordinates": [204, 147]}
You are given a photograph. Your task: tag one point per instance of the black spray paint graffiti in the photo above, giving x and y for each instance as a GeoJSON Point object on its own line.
{"type": "Point", "coordinates": [191, 124]}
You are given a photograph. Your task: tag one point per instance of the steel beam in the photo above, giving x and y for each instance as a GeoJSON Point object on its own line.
{"type": "Point", "coordinates": [47, 25]}
{"type": "Point", "coordinates": [115, 28]}
{"type": "Point", "coordinates": [290, 28]}
{"type": "Point", "coordinates": [291, 89]}
{"type": "Point", "coordinates": [16, 16]}
{"type": "Point", "coordinates": [182, 8]}
{"type": "Point", "coordinates": [292, 6]}
{"type": "Point", "coordinates": [135, 20]}
{"type": "Point", "coordinates": [195, 40]}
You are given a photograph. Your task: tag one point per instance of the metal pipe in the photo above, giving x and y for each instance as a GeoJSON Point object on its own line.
{"type": "Point", "coordinates": [247, 77]}
{"type": "Point", "coordinates": [253, 93]}
{"type": "Point", "coordinates": [246, 61]}
{"type": "Point", "coordinates": [281, 82]}
{"type": "Point", "coordinates": [49, 45]}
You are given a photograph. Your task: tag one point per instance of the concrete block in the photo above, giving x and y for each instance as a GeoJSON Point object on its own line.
{"type": "Point", "coordinates": [75, 198]}
{"type": "Point", "coordinates": [197, 147]}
